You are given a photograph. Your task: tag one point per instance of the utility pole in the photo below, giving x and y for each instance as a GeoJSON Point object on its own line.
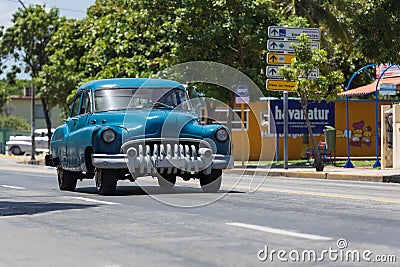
{"type": "Point", "coordinates": [33, 145]}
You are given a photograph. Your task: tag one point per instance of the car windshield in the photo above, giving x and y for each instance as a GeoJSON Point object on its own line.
{"type": "Point", "coordinates": [121, 99]}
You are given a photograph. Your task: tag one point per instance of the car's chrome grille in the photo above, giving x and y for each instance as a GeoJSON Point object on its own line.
{"type": "Point", "coordinates": [168, 156]}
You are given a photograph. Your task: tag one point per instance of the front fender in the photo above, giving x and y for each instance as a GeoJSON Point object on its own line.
{"type": "Point", "coordinates": [209, 131]}
{"type": "Point", "coordinates": [58, 142]}
{"type": "Point", "coordinates": [98, 144]}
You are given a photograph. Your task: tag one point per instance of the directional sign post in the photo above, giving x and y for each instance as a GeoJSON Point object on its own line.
{"type": "Point", "coordinates": [279, 59]}
{"type": "Point", "coordinates": [280, 85]}
{"type": "Point", "coordinates": [272, 72]}
{"type": "Point", "coordinates": [281, 52]}
{"type": "Point", "coordinates": [281, 46]}
{"type": "Point", "coordinates": [282, 41]}
{"type": "Point", "coordinates": [292, 33]}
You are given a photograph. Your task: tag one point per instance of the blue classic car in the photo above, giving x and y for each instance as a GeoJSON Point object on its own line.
{"type": "Point", "coordinates": [128, 128]}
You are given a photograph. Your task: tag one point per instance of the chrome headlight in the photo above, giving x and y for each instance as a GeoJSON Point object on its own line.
{"type": "Point", "coordinates": [108, 136]}
{"type": "Point", "coordinates": [222, 135]}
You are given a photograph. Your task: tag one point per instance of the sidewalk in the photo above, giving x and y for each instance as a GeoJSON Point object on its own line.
{"type": "Point", "coordinates": [330, 173]}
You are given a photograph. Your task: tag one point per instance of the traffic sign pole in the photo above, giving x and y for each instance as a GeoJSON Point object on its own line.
{"type": "Point", "coordinates": [286, 129]}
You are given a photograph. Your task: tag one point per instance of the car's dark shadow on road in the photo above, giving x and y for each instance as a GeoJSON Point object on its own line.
{"type": "Point", "coordinates": [13, 208]}
{"type": "Point", "coordinates": [152, 190]}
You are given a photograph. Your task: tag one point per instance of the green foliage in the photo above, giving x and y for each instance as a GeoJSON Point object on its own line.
{"type": "Point", "coordinates": [57, 85]}
{"type": "Point", "coordinates": [138, 38]}
{"type": "Point", "coordinates": [127, 38]}
{"type": "Point", "coordinates": [4, 97]}
{"type": "Point", "coordinates": [229, 32]}
{"type": "Point", "coordinates": [26, 40]}
{"type": "Point", "coordinates": [14, 87]}
{"type": "Point", "coordinates": [330, 15]}
{"type": "Point", "coordinates": [14, 123]}
{"type": "Point", "coordinates": [377, 28]}
{"type": "Point", "coordinates": [334, 18]}
{"type": "Point", "coordinates": [324, 87]}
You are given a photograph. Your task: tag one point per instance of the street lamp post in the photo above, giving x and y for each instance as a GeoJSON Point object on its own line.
{"type": "Point", "coordinates": [33, 111]}
{"type": "Point", "coordinates": [348, 162]}
{"type": "Point", "coordinates": [33, 146]}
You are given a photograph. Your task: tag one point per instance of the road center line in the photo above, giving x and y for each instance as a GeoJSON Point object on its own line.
{"type": "Point", "coordinates": [13, 187]}
{"type": "Point", "coordinates": [279, 231]}
{"type": "Point", "coordinates": [330, 195]}
{"type": "Point", "coordinates": [95, 201]}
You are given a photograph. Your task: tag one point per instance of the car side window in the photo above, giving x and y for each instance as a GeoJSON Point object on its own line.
{"type": "Point", "coordinates": [85, 107]}
{"type": "Point", "coordinates": [76, 105]}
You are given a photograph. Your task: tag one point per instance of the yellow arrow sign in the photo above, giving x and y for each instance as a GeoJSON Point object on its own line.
{"type": "Point", "coordinates": [279, 59]}
{"type": "Point", "coordinates": [280, 85]}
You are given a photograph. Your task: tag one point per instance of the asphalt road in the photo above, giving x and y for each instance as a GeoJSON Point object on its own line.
{"type": "Point", "coordinates": [292, 221]}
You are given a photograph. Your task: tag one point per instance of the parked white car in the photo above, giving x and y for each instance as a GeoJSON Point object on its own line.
{"type": "Point", "coordinates": [19, 145]}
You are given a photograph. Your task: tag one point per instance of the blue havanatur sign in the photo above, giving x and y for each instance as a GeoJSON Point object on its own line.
{"type": "Point", "coordinates": [320, 115]}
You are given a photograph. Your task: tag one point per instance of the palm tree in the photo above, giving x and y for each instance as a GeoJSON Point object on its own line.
{"type": "Point", "coordinates": [329, 15]}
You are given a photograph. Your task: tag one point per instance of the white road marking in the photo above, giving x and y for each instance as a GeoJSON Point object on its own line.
{"type": "Point", "coordinates": [95, 201]}
{"type": "Point", "coordinates": [13, 187]}
{"type": "Point", "coordinates": [279, 231]}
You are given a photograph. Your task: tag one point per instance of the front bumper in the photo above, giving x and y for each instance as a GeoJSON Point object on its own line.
{"type": "Point", "coordinates": [147, 164]}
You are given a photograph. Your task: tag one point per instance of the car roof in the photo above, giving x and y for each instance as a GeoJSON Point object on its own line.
{"type": "Point", "coordinates": [131, 83]}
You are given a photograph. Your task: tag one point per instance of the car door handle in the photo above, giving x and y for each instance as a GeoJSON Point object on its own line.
{"type": "Point", "coordinates": [74, 119]}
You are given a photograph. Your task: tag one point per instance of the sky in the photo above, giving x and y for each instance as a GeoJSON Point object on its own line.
{"type": "Point", "coordinates": [68, 8]}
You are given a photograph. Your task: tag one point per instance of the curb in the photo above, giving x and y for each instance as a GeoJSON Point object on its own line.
{"type": "Point", "coordinates": [380, 178]}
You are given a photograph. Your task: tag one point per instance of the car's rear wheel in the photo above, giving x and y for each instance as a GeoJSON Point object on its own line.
{"type": "Point", "coordinates": [106, 181]}
{"type": "Point", "coordinates": [211, 183]}
{"type": "Point", "coordinates": [16, 150]}
{"type": "Point", "coordinates": [166, 181]}
{"type": "Point", "coordinates": [66, 179]}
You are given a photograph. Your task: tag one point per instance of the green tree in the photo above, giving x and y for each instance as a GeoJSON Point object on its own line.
{"type": "Point", "coordinates": [331, 15]}
{"type": "Point", "coordinates": [26, 41]}
{"type": "Point", "coordinates": [13, 123]}
{"type": "Point", "coordinates": [324, 87]}
{"type": "Point", "coordinates": [58, 85]}
{"type": "Point", "coordinates": [123, 38]}
{"type": "Point", "coordinates": [334, 18]}
{"type": "Point", "coordinates": [127, 38]}
{"type": "Point", "coordinates": [4, 97]}
{"type": "Point", "coordinates": [377, 28]}
{"type": "Point", "coordinates": [233, 33]}
{"type": "Point", "coordinates": [228, 32]}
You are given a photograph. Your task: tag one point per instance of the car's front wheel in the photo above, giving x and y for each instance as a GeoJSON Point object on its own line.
{"type": "Point", "coordinates": [106, 181]}
{"type": "Point", "coordinates": [211, 183]}
{"type": "Point", "coordinates": [66, 179]}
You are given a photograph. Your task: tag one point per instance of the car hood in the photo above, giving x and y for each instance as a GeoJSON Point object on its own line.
{"type": "Point", "coordinates": [153, 123]}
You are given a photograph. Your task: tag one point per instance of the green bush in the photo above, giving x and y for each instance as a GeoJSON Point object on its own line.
{"type": "Point", "coordinates": [14, 123]}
